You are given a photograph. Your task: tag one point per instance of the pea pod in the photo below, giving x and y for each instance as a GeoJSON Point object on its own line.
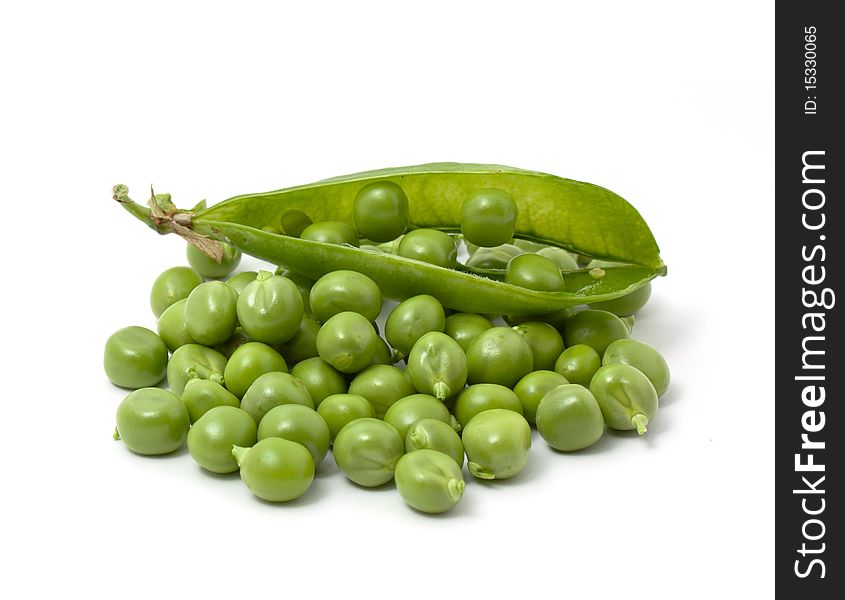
{"type": "Point", "coordinates": [580, 217]}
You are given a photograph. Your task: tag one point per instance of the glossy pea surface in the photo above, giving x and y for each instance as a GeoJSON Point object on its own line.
{"type": "Point", "coordinates": [569, 418]}
{"type": "Point", "coordinates": [194, 360]}
{"type": "Point", "coordinates": [434, 434]}
{"type": "Point", "coordinates": [578, 364]}
{"type": "Point", "coordinates": [275, 469]}
{"type": "Point", "coordinates": [331, 232]}
{"type": "Point", "coordinates": [499, 355]}
{"type": "Point", "coordinates": [338, 410]}
{"type": "Point", "coordinates": [382, 386]}
{"type": "Point", "coordinates": [626, 397]}
{"type": "Point", "coordinates": [274, 389]}
{"type": "Point", "coordinates": [437, 365]}
{"type": "Point", "coordinates": [488, 217]}
{"type": "Point", "coordinates": [212, 436]}
{"type": "Point", "coordinates": [172, 285]}
{"type": "Point", "coordinates": [563, 259]}
{"type": "Point", "coordinates": [594, 328]}
{"type": "Point", "coordinates": [341, 291]}
{"type": "Point", "coordinates": [367, 450]}
{"type": "Point", "coordinates": [534, 272]}
{"type": "Point", "coordinates": [172, 328]}
{"type": "Point", "coordinates": [320, 378]}
{"type": "Point", "coordinates": [480, 397]}
{"type": "Point", "coordinates": [410, 409]}
{"type": "Point", "coordinates": [411, 319]}
{"type": "Point", "coordinates": [531, 389]}
{"type": "Point", "coordinates": [347, 341]}
{"type": "Point", "coordinates": [152, 421]}
{"type": "Point", "coordinates": [135, 357]}
{"type": "Point", "coordinates": [210, 313]}
{"type": "Point", "coordinates": [208, 267]}
{"type": "Point", "coordinates": [249, 362]}
{"type": "Point", "coordinates": [380, 211]}
{"type": "Point", "coordinates": [430, 246]}
{"type": "Point", "coordinates": [465, 327]}
{"type": "Point", "coordinates": [643, 357]}
{"type": "Point", "coordinates": [497, 443]}
{"type": "Point", "coordinates": [201, 395]}
{"type": "Point", "coordinates": [429, 481]}
{"type": "Point", "coordinates": [299, 424]}
{"type": "Point", "coordinates": [270, 309]}
{"type": "Point", "coordinates": [545, 341]}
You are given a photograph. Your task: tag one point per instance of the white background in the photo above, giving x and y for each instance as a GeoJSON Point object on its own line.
{"type": "Point", "coordinates": [669, 104]}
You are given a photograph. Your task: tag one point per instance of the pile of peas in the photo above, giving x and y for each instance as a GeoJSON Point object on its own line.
{"type": "Point", "coordinates": [267, 371]}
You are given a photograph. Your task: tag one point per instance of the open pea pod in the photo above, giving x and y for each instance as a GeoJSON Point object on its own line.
{"type": "Point", "coordinates": [580, 217]}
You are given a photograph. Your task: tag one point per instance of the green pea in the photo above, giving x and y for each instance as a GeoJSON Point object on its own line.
{"type": "Point", "coordinates": [248, 363]}
{"type": "Point", "coordinates": [595, 328]}
{"type": "Point", "coordinates": [578, 364]}
{"type": "Point", "coordinates": [298, 424]}
{"type": "Point", "coordinates": [435, 435]}
{"type": "Point", "coordinates": [294, 222]}
{"type": "Point", "coordinates": [437, 365]}
{"type": "Point", "coordinates": [210, 314]}
{"type": "Point", "coordinates": [241, 280]}
{"type": "Point", "coordinates": [429, 481]}
{"type": "Point", "coordinates": [643, 357]}
{"type": "Point", "coordinates": [347, 341]}
{"type": "Point", "coordinates": [545, 341]}
{"type": "Point", "coordinates": [488, 217]}
{"type": "Point", "coordinates": [341, 291]}
{"type": "Point", "coordinates": [382, 386]}
{"type": "Point", "coordinates": [274, 389]}
{"type": "Point", "coordinates": [534, 272]}
{"type": "Point", "coordinates": [304, 285]}
{"type": "Point", "coordinates": [409, 320]}
{"type": "Point", "coordinates": [319, 378]}
{"type": "Point", "coordinates": [208, 267]}
{"type": "Point", "coordinates": [171, 286]}
{"type": "Point", "coordinates": [270, 309]}
{"type": "Point", "coordinates": [238, 339]}
{"type": "Point", "coordinates": [193, 360]}
{"type": "Point", "coordinates": [303, 344]}
{"type": "Point", "coordinates": [497, 443]}
{"type": "Point", "coordinates": [496, 257]}
{"type": "Point", "coordinates": [381, 211]}
{"type": "Point", "coordinates": [331, 232]}
{"type": "Point", "coordinates": [626, 397]}
{"type": "Point", "coordinates": [499, 355]}
{"type": "Point", "coordinates": [367, 450]}
{"type": "Point", "coordinates": [383, 354]}
{"type": "Point", "coordinates": [477, 398]}
{"type": "Point", "coordinates": [626, 305]}
{"type": "Point", "coordinates": [201, 395]}
{"type": "Point", "coordinates": [563, 259]}
{"type": "Point", "coordinates": [569, 418]}
{"type": "Point", "coordinates": [531, 389]}
{"type": "Point", "coordinates": [338, 410]}
{"type": "Point", "coordinates": [172, 328]}
{"type": "Point", "coordinates": [135, 357]}
{"type": "Point", "coordinates": [276, 470]}
{"type": "Point", "coordinates": [152, 421]}
{"type": "Point", "coordinates": [465, 327]}
{"type": "Point", "coordinates": [430, 246]}
{"type": "Point", "coordinates": [410, 409]}
{"type": "Point", "coordinates": [211, 438]}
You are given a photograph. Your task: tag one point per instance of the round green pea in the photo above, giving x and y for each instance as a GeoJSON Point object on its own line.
{"type": "Point", "coordinates": [274, 389]}
{"type": "Point", "coordinates": [299, 424]}
{"type": "Point", "coordinates": [171, 286]}
{"type": "Point", "coordinates": [499, 355]}
{"type": "Point", "coordinates": [294, 222]}
{"type": "Point", "coordinates": [465, 327]}
{"type": "Point", "coordinates": [435, 435]}
{"type": "Point", "coordinates": [319, 378]}
{"type": "Point", "coordinates": [210, 314]}
{"type": "Point", "coordinates": [338, 410]}
{"type": "Point", "coordinates": [172, 328]}
{"type": "Point", "coordinates": [409, 320]}
{"type": "Point", "coordinates": [382, 386]}
{"type": "Point", "coordinates": [248, 363]}
{"type": "Point", "coordinates": [488, 217]}
{"type": "Point", "coordinates": [381, 211]}
{"type": "Point", "coordinates": [303, 344]}
{"type": "Point", "coordinates": [430, 246]}
{"type": "Point", "coordinates": [135, 357]}
{"type": "Point", "coordinates": [152, 421]}
{"type": "Point", "coordinates": [212, 436]}
{"type": "Point", "coordinates": [496, 257]}
{"type": "Point", "coordinates": [201, 395]}
{"type": "Point", "coordinates": [383, 354]}
{"type": "Point", "coordinates": [578, 364]}
{"type": "Point", "coordinates": [626, 397]}
{"type": "Point", "coordinates": [569, 418]}
{"type": "Point", "coordinates": [545, 341]}
{"type": "Point", "coordinates": [643, 357]}
{"type": "Point", "coordinates": [429, 481]}
{"type": "Point", "coordinates": [270, 309]}
{"type": "Point", "coordinates": [484, 396]}
{"type": "Point", "coordinates": [497, 443]}
{"type": "Point", "coordinates": [595, 328]}
{"type": "Point", "coordinates": [275, 469]}
{"type": "Point", "coordinates": [437, 365]}
{"type": "Point", "coordinates": [531, 389]}
{"type": "Point", "coordinates": [367, 450]}
{"type": "Point", "coordinates": [410, 409]}
{"type": "Point", "coordinates": [208, 267]}
{"type": "Point", "coordinates": [534, 272]}
{"type": "Point", "coordinates": [303, 284]}
{"type": "Point", "coordinates": [193, 360]}
{"type": "Point", "coordinates": [331, 232]}
{"type": "Point", "coordinates": [347, 341]}
{"type": "Point", "coordinates": [241, 280]}
{"type": "Point", "coordinates": [563, 259]}
{"type": "Point", "coordinates": [341, 291]}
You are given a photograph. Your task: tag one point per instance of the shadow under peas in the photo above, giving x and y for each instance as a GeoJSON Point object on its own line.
{"type": "Point", "coordinates": [182, 451]}
{"type": "Point", "coordinates": [316, 493]}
